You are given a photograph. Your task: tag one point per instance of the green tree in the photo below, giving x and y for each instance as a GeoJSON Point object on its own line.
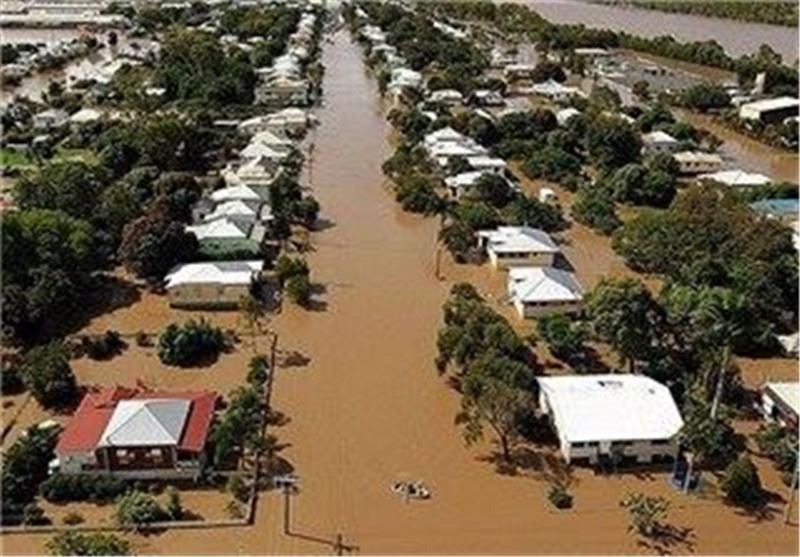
{"type": "Point", "coordinates": [623, 314]}
{"type": "Point", "coordinates": [190, 343]}
{"type": "Point", "coordinates": [594, 207]}
{"type": "Point", "coordinates": [69, 186]}
{"type": "Point", "coordinates": [48, 375]}
{"type": "Point", "coordinates": [137, 510]}
{"type": "Point", "coordinates": [612, 143]}
{"type": "Point", "coordinates": [705, 96]}
{"type": "Point", "coordinates": [647, 513]}
{"type": "Point", "coordinates": [174, 510]}
{"type": "Point", "coordinates": [299, 289]}
{"type": "Point", "coordinates": [564, 338]}
{"type": "Point", "coordinates": [741, 483]}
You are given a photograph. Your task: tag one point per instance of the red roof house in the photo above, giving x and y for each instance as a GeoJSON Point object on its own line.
{"type": "Point", "coordinates": [138, 433]}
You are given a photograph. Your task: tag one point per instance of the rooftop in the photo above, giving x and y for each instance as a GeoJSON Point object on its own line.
{"type": "Point", "coordinates": [514, 239]}
{"type": "Point", "coordinates": [543, 284]}
{"type": "Point", "coordinates": [215, 272]}
{"type": "Point", "coordinates": [611, 407]}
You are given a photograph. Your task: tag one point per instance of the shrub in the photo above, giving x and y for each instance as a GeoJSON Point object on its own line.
{"type": "Point", "coordinates": [174, 508]}
{"type": "Point", "coordinates": [564, 338]}
{"type": "Point", "coordinates": [33, 515]}
{"type": "Point", "coordinates": [741, 483]}
{"type": "Point", "coordinates": [75, 543]}
{"type": "Point", "coordinates": [10, 381]}
{"type": "Point", "coordinates": [646, 513]}
{"type": "Point", "coordinates": [238, 488]}
{"type": "Point", "coordinates": [73, 518]}
{"type": "Point", "coordinates": [102, 347]}
{"type": "Point", "coordinates": [594, 207]}
{"type": "Point", "coordinates": [48, 375]}
{"type": "Point", "coordinates": [142, 339]}
{"type": "Point", "coordinates": [191, 343]}
{"type": "Point", "coordinates": [559, 496]}
{"type": "Point", "coordinates": [258, 371]}
{"type": "Point", "coordinates": [299, 289]}
{"type": "Point", "coordinates": [287, 267]}
{"type": "Point", "coordinates": [138, 509]}
{"type": "Point", "coordinates": [60, 488]}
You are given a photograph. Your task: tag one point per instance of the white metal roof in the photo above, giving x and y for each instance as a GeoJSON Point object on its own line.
{"type": "Point", "coordinates": [740, 178]}
{"type": "Point", "coordinates": [216, 272]}
{"type": "Point", "coordinates": [771, 104]}
{"type": "Point", "coordinates": [465, 179]}
{"type": "Point", "coordinates": [697, 156]}
{"type": "Point", "coordinates": [444, 135]}
{"type": "Point", "coordinates": [235, 192]}
{"type": "Point", "coordinates": [788, 393]}
{"type": "Point", "coordinates": [220, 228]}
{"type": "Point", "coordinates": [610, 407]}
{"type": "Point", "coordinates": [516, 239]}
{"type": "Point", "coordinates": [657, 137]}
{"type": "Point", "coordinates": [258, 149]}
{"type": "Point", "coordinates": [146, 422]}
{"type": "Point", "coordinates": [543, 284]}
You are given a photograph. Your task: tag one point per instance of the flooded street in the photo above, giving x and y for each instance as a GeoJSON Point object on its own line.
{"type": "Point", "coordinates": [366, 407]}
{"type": "Point", "coordinates": [738, 38]}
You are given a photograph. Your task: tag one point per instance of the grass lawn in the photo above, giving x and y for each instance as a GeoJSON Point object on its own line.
{"type": "Point", "coordinates": [14, 159]}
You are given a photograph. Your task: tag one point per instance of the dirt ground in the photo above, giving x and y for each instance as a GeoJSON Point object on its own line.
{"type": "Point", "coordinates": [367, 408]}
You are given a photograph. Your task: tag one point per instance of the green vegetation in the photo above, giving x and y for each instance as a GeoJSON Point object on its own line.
{"type": "Point", "coordinates": [491, 364]}
{"type": "Point", "coordinates": [780, 445]}
{"type": "Point", "coordinates": [564, 338]}
{"type": "Point", "coordinates": [559, 496]}
{"type": "Point", "coordinates": [76, 543]}
{"type": "Point", "coordinates": [647, 514]}
{"type": "Point", "coordinates": [775, 13]}
{"type": "Point", "coordinates": [190, 344]}
{"type": "Point", "coordinates": [137, 510]}
{"type": "Point", "coordinates": [61, 488]}
{"type": "Point", "coordinates": [48, 376]}
{"type": "Point", "coordinates": [25, 466]}
{"type": "Point", "coordinates": [741, 484]}
{"type": "Point", "coordinates": [239, 428]}
{"type": "Point", "coordinates": [594, 207]}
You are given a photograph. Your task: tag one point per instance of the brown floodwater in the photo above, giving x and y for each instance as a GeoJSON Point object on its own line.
{"type": "Point", "coordinates": [738, 38]}
{"type": "Point", "coordinates": [35, 84]}
{"type": "Point", "coordinates": [367, 408]}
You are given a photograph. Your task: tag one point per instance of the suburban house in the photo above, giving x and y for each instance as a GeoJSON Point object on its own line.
{"type": "Point", "coordinates": [697, 162]}
{"type": "Point", "coordinates": [658, 141]}
{"type": "Point", "coordinates": [515, 246]}
{"type": "Point", "coordinates": [213, 284]}
{"type": "Point", "coordinates": [611, 416]}
{"type": "Point", "coordinates": [780, 402]}
{"type": "Point", "coordinates": [555, 91]}
{"type": "Point", "coordinates": [737, 178]}
{"type": "Point", "coordinates": [50, 119]}
{"type": "Point", "coordinates": [485, 163]}
{"type": "Point", "coordinates": [462, 184]}
{"type": "Point", "coordinates": [228, 228]}
{"type": "Point", "coordinates": [257, 171]}
{"type": "Point", "coordinates": [518, 71]}
{"type": "Point", "coordinates": [770, 111]}
{"type": "Point", "coordinates": [566, 114]}
{"type": "Point", "coordinates": [486, 97]}
{"type": "Point", "coordinates": [538, 291]}
{"type": "Point", "coordinates": [446, 96]}
{"type": "Point", "coordinates": [136, 433]}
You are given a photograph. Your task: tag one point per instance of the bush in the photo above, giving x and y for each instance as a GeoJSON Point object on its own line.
{"type": "Point", "coordinates": [238, 488]}
{"type": "Point", "coordinates": [75, 543]}
{"type": "Point", "coordinates": [138, 509]}
{"type": "Point", "coordinates": [563, 337]}
{"type": "Point", "coordinates": [175, 510]}
{"type": "Point", "coordinates": [258, 371]}
{"type": "Point", "coordinates": [741, 483]}
{"type": "Point", "coordinates": [191, 343]}
{"type": "Point", "coordinates": [48, 375]}
{"type": "Point", "coordinates": [142, 339]}
{"type": "Point", "coordinates": [102, 347]}
{"type": "Point", "coordinates": [559, 496]}
{"type": "Point", "coordinates": [287, 267]}
{"type": "Point", "coordinates": [60, 488]}
{"type": "Point", "coordinates": [10, 381]}
{"type": "Point", "coordinates": [299, 289]}
{"type": "Point", "coordinates": [73, 518]}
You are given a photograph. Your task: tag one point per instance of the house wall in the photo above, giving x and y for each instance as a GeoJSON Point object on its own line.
{"type": "Point", "coordinates": [206, 295]}
{"type": "Point", "coordinates": [774, 410]}
{"type": "Point", "coordinates": [698, 167]}
{"type": "Point", "coordinates": [521, 259]}
{"type": "Point", "coordinates": [531, 311]}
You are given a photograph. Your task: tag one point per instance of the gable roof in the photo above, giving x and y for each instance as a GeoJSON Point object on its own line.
{"type": "Point", "coordinates": [216, 272]}
{"type": "Point", "coordinates": [737, 178]}
{"type": "Point", "coordinates": [543, 284]}
{"type": "Point", "coordinates": [235, 192]}
{"type": "Point", "coordinates": [787, 392]}
{"type": "Point", "coordinates": [225, 227]}
{"type": "Point", "coordinates": [611, 407]}
{"type": "Point", "coordinates": [515, 239]}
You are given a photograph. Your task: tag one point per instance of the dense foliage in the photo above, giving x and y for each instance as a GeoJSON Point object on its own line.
{"type": "Point", "coordinates": [46, 372]}
{"type": "Point", "coordinates": [25, 466]}
{"type": "Point", "coordinates": [77, 543]}
{"type": "Point", "coordinates": [191, 343]}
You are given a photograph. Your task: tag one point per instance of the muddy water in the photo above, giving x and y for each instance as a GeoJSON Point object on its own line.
{"type": "Point", "coordinates": [736, 37]}
{"type": "Point", "coordinates": [368, 409]}
{"type": "Point", "coordinates": [34, 85]}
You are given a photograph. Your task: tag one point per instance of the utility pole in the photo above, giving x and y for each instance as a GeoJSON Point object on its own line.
{"type": "Point", "coordinates": [288, 484]}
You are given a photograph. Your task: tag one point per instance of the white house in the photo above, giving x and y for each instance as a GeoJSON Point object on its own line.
{"type": "Point", "coordinates": [85, 115]}
{"type": "Point", "coordinates": [404, 78]}
{"type": "Point", "coordinates": [515, 246]}
{"type": "Point", "coordinates": [565, 115]}
{"type": "Point", "coordinates": [697, 162]}
{"type": "Point", "coordinates": [631, 416]}
{"type": "Point", "coordinates": [446, 96]}
{"type": "Point", "coordinates": [737, 178]}
{"type": "Point", "coordinates": [486, 97]}
{"type": "Point", "coordinates": [770, 111]}
{"type": "Point", "coordinates": [518, 71]}
{"type": "Point", "coordinates": [538, 291]}
{"type": "Point", "coordinates": [554, 90]}
{"type": "Point", "coordinates": [659, 142]}
{"type": "Point", "coordinates": [50, 119]}
{"type": "Point", "coordinates": [212, 284]}
{"type": "Point", "coordinates": [487, 164]}
{"type": "Point", "coordinates": [780, 401]}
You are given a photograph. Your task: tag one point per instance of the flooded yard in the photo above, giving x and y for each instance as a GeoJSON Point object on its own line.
{"type": "Point", "coordinates": [367, 408]}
